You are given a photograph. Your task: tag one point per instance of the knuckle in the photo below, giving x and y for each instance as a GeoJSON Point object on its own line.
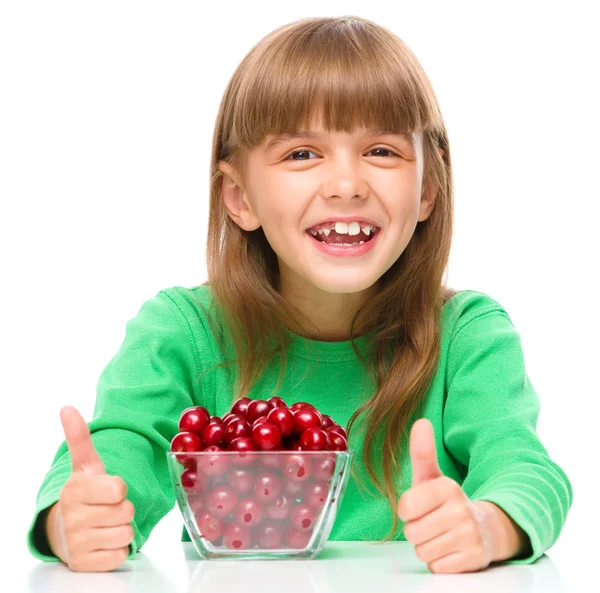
{"type": "Point", "coordinates": [405, 506]}
{"type": "Point", "coordinates": [449, 486]}
{"type": "Point", "coordinates": [71, 522]}
{"type": "Point", "coordinates": [467, 514]}
{"type": "Point", "coordinates": [120, 487]}
{"type": "Point", "coordinates": [419, 551]}
{"type": "Point", "coordinates": [128, 510]}
{"type": "Point", "coordinates": [128, 534]}
{"type": "Point", "coordinates": [120, 556]}
{"type": "Point", "coordinates": [77, 565]}
{"type": "Point", "coordinates": [69, 492]}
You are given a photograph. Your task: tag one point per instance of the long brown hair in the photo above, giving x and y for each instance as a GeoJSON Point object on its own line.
{"type": "Point", "coordinates": [359, 74]}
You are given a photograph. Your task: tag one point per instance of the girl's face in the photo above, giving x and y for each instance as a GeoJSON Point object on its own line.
{"type": "Point", "coordinates": [301, 181]}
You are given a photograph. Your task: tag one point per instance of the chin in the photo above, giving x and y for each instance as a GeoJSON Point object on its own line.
{"type": "Point", "coordinates": [344, 285]}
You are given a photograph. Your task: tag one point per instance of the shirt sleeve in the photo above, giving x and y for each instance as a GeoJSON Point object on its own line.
{"type": "Point", "coordinates": [490, 418]}
{"type": "Point", "coordinates": [140, 396]}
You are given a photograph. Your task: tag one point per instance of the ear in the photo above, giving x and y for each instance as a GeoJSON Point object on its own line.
{"type": "Point", "coordinates": [428, 195]}
{"type": "Point", "coordinates": [235, 199]}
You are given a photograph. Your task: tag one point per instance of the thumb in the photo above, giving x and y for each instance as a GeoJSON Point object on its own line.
{"type": "Point", "coordinates": [423, 455]}
{"type": "Point", "coordinates": [84, 457]}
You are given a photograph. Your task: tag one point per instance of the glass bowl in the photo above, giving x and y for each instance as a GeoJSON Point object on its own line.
{"type": "Point", "coordinates": [259, 504]}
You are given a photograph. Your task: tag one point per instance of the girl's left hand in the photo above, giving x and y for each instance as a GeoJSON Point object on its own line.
{"type": "Point", "coordinates": [450, 532]}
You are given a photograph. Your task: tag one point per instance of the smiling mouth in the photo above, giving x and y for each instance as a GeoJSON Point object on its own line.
{"type": "Point", "coordinates": [343, 238]}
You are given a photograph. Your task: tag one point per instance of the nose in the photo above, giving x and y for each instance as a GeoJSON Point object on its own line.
{"type": "Point", "coordinates": [345, 180]}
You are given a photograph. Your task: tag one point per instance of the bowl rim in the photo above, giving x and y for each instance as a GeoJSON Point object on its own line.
{"type": "Point", "coordinates": [286, 452]}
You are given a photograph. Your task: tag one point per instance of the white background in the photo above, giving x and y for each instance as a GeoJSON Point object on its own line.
{"type": "Point", "coordinates": [106, 119]}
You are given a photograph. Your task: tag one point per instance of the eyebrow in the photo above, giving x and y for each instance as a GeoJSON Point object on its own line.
{"type": "Point", "coordinates": [281, 138]}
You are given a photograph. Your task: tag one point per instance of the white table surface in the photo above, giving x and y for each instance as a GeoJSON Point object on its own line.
{"type": "Point", "coordinates": [342, 567]}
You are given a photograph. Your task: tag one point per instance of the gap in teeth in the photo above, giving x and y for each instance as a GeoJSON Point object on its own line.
{"type": "Point", "coordinates": [343, 228]}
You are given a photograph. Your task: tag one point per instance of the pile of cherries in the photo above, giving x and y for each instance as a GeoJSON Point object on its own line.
{"type": "Point", "coordinates": [256, 500]}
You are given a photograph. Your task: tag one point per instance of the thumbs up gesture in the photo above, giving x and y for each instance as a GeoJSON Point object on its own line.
{"type": "Point", "coordinates": [450, 532]}
{"type": "Point", "coordinates": [89, 527]}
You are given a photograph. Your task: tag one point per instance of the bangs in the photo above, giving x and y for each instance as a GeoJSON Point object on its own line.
{"type": "Point", "coordinates": [322, 74]}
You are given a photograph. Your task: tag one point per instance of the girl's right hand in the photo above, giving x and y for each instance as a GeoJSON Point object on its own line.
{"type": "Point", "coordinates": [89, 528]}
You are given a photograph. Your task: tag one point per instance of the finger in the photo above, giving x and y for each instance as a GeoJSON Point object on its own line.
{"type": "Point", "coordinates": [100, 561]}
{"type": "Point", "coordinates": [432, 525]}
{"type": "Point", "coordinates": [101, 489]}
{"type": "Point", "coordinates": [454, 563]}
{"type": "Point", "coordinates": [110, 538]}
{"type": "Point", "coordinates": [110, 515]}
{"type": "Point", "coordinates": [424, 498]}
{"type": "Point", "coordinates": [423, 454]}
{"type": "Point", "coordinates": [84, 457]}
{"type": "Point", "coordinates": [438, 547]}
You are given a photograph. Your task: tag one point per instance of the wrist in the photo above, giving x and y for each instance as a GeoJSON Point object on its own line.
{"type": "Point", "coordinates": [509, 540]}
{"type": "Point", "coordinates": [50, 528]}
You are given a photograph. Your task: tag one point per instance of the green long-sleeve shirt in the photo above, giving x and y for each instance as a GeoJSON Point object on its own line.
{"type": "Point", "coordinates": [481, 403]}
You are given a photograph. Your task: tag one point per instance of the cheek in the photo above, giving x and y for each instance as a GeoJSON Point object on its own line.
{"type": "Point", "coordinates": [283, 201]}
{"type": "Point", "coordinates": [402, 200]}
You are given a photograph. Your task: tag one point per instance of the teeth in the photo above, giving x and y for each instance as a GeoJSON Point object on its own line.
{"type": "Point", "coordinates": [343, 228]}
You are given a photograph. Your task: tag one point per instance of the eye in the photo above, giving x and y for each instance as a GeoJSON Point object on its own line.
{"type": "Point", "coordinates": [383, 149]}
{"type": "Point", "coordinates": [298, 152]}
{"type": "Point", "coordinates": [304, 151]}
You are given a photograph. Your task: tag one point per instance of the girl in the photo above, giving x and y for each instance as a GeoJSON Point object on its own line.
{"type": "Point", "coordinates": [330, 225]}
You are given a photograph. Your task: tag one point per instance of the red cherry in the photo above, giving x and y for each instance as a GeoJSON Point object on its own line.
{"type": "Point", "coordinates": [327, 421]}
{"type": "Point", "coordinates": [293, 489]}
{"type": "Point", "coordinates": [259, 420]}
{"type": "Point", "coordinates": [197, 504]}
{"type": "Point", "coordinates": [215, 419]}
{"type": "Point", "coordinates": [305, 418]}
{"type": "Point", "coordinates": [213, 434]}
{"type": "Point", "coordinates": [212, 463]}
{"type": "Point", "coordinates": [269, 534]}
{"type": "Point", "coordinates": [313, 439]}
{"type": "Point", "coordinates": [297, 468]}
{"type": "Point", "coordinates": [236, 428]}
{"type": "Point", "coordinates": [240, 406]}
{"type": "Point", "coordinates": [296, 539]}
{"type": "Point", "coordinates": [194, 419]}
{"type": "Point", "coordinates": [266, 435]}
{"type": "Point", "coordinates": [316, 494]}
{"type": "Point", "coordinates": [302, 406]}
{"type": "Point", "coordinates": [277, 402]}
{"type": "Point", "coordinates": [186, 442]}
{"type": "Point", "coordinates": [280, 508]}
{"type": "Point", "coordinates": [283, 419]}
{"type": "Point", "coordinates": [324, 467]}
{"type": "Point", "coordinates": [244, 446]}
{"type": "Point", "coordinates": [229, 417]}
{"type": "Point", "coordinates": [249, 512]}
{"type": "Point", "coordinates": [337, 428]}
{"type": "Point", "coordinates": [266, 487]}
{"type": "Point", "coordinates": [241, 480]}
{"type": "Point", "coordinates": [272, 461]}
{"type": "Point", "coordinates": [211, 528]}
{"type": "Point", "coordinates": [303, 516]}
{"type": "Point", "coordinates": [192, 481]}
{"type": "Point", "coordinates": [257, 408]}
{"type": "Point", "coordinates": [189, 463]}
{"type": "Point", "coordinates": [221, 500]}
{"type": "Point", "coordinates": [236, 536]}
{"type": "Point", "coordinates": [335, 441]}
